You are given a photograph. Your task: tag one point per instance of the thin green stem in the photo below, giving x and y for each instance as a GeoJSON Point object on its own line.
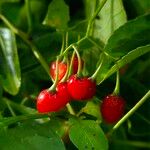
{"type": "Point", "coordinates": [77, 25]}
{"type": "Point", "coordinates": [53, 87]}
{"type": "Point", "coordinates": [24, 100]}
{"type": "Point", "coordinates": [133, 143]}
{"type": "Point", "coordinates": [38, 55]}
{"type": "Point", "coordinates": [24, 36]}
{"type": "Point", "coordinates": [117, 87]}
{"type": "Point", "coordinates": [125, 117]}
{"type": "Point", "coordinates": [63, 43]}
{"type": "Point", "coordinates": [29, 15]}
{"type": "Point", "coordinates": [66, 50]}
{"type": "Point", "coordinates": [70, 46]}
{"type": "Point", "coordinates": [81, 40]}
{"type": "Point", "coordinates": [71, 64]}
{"type": "Point", "coordinates": [79, 60]}
{"type": "Point", "coordinates": [10, 120]}
{"type": "Point", "coordinates": [70, 109]}
{"type": "Point", "coordinates": [10, 108]}
{"type": "Point", "coordinates": [66, 74]}
{"type": "Point", "coordinates": [101, 48]}
{"type": "Point", "coordinates": [95, 44]}
{"type": "Point", "coordinates": [98, 68]}
{"type": "Point", "coordinates": [94, 16]}
{"type": "Point", "coordinates": [67, 35]}
{"type": "Point", "coordinates": [15, 30]}
{"type": "Point", "coordinates": [19, 107]}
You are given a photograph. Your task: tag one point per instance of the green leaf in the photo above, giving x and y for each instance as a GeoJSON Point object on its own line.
{"type": "Point", "coordinates": [111, 17]}
{"type": "Point", "coordinates": [30, 136]}
{"type": "Point", "coordinates": [92, 108]}
{"type": "Point", "coordinates": [58, 14]}
{"type": "Point", "coordinates": [131, 35]}
{"type": "Point", "coordinates": [123, 61]}
{"type": "Point", "coordinates": [10, 75]}
{"type": "Point", "coordinates": [87, 134]}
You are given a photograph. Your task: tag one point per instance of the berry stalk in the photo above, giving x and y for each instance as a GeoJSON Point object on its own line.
{"type": "Point", "coordinates": [71, 64]}
{"type": "Point", "coordinates": [53, 87]}
{"type": "Point", "coordinates": [117, 87]}
{"type": "Point", "coordinates": [63, 44]}
{"type": "Point", "coordinates": [79, 60]}
{"type": "Point", "coordinates": [131, 112]}
{"type": "Point", "coordinates": [70, 109]}
{"type": "Point", "coordinates": [94, 16]}
{"type": "Point", "coordinates": [98, 68]}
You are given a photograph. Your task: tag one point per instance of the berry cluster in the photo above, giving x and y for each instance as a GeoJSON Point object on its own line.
{"type": "Point", "coordinates": [79, 89]}
{"type": "Point", "coordinates": [74, 89]}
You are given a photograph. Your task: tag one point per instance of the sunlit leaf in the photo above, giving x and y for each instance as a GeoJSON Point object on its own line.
{"type": "Point", "coordinates": [111, 17]}
{"type": "Point", "coordinates": [10, 76]}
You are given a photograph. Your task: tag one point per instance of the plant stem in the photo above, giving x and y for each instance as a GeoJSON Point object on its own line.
{"type": "Point", "coordinates": [70, 109]}
{"type": "Point", "coordinates": [71, 64]}
{"type": "Point", "coordinates": [132, 143]}
{"type": "Point", "coordinates": [66, 45]}
{"type": "Point", "coordinates": [63, 43]}
{"type": "Point", "coordinates": [10, 120]}
{"type": "Point", "coordinates": [19, 107]}
{"type": "Point", "coordinates": [98, 68]}
{"type": "Point", "coordinates": [117, 87]}
{"type": "Point", "coordinates": [53, 87]}
{"type": "Point", "coordinates": [66, 50]}
{"type": "Point", "coordinates": [125, 117]}
{"type": "Point", "coordinates": [79, 60]}
{"type": "Point", "coordinates": [25, 37]}
{"type": "Point", "coordinates": [29, 15]}
{"type": "Point", "coordinates": [94, 16]}
{"type": "Point", "coordinates": [67, 72]}
{"type": "Point", "coordinates": [10, 108]}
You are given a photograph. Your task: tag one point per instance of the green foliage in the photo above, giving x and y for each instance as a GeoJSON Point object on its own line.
{"type": "Point", "coordinates": [111, 17]}
{"type": "Point", "coordinates": [123, 61]}
{"type": "Point", "coordinates": [58, 14]}
{"type": "Point", "coordinates": [90, 135]}
{"type": "Point", "coordinates": [30, 136]}
{"type": "Point", "coordinates": [129, 36]}
{"type": "Point", "coordinates": [9, 68]}
{"type": "Point", "coordinates": [115, 38]}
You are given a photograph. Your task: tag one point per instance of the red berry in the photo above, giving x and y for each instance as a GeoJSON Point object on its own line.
{"type": "Point", "coordinates": [62, 68]}
{"type": "Point", "coordinates": [75, 64]}
{"type": "Point", "coordinates": [63, 91]}
{"type": "Point", "coordinates": [53, 101]}
{"type": "Point", "coordinates": [112, 108]}
{"type": "Point", "coordinates": [81, 88]}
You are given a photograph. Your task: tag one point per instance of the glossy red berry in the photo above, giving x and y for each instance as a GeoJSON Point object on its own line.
{"type": "Point", "coordinates": [53, 101]}
{"type": "Point", "coordinates": [62, 68]}
{"type": "Point", "coordinates": [75, 64]}
{"type": "Point", "coordinates": [63, 91]}
{"type": "Point", "coordinates": [112, 108]}
{"type": "Point", "coordinates": [81, 88]}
